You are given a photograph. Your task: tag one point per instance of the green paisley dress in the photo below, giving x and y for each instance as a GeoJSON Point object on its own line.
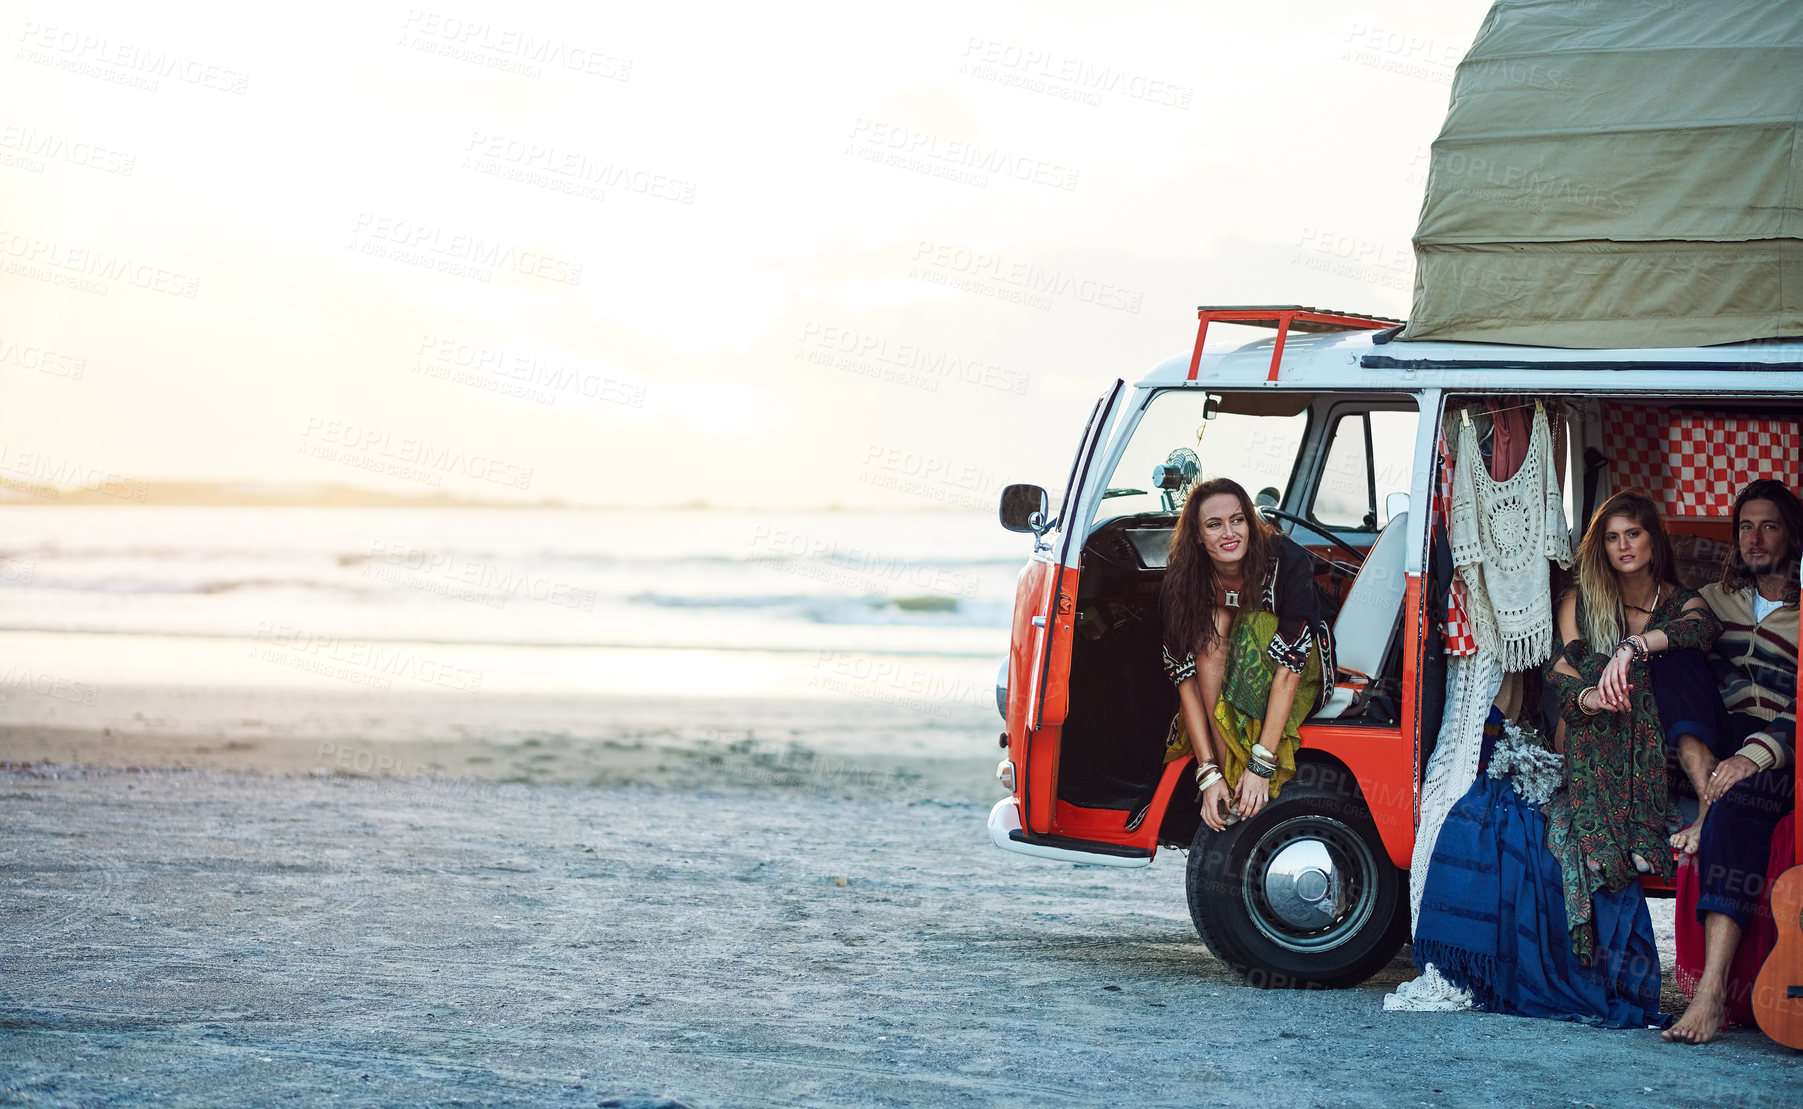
{"type": "Point", "coordinates": [1615, 803]}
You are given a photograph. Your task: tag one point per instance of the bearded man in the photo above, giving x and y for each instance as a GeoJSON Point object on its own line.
{"type": "Point", "coordinates": [1744, 780]}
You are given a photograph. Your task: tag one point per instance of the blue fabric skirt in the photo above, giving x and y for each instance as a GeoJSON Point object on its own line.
{"type": "Point", "coordinates": [1493, 920]}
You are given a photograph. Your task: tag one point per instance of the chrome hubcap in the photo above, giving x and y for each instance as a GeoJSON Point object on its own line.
{"type": "Point", "coordinates": [1302, 886]}
{"type": "Point", "coordinates": [1310, 883]}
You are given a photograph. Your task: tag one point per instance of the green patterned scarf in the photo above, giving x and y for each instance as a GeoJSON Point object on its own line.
{"type": "Point", "coordinates": [1246, 691]}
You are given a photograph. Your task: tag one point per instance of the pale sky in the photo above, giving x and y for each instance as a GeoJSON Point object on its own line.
{"type": "Point", "coordinates": [765, 255]}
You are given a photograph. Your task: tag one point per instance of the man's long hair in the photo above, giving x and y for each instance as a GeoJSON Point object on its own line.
{"type": "Point", "coordinates": [1188, 595]}
{"type": "Point", "coordinates": [1736, 575]}
{"type": "Point", "coordinates": [1604, 621]}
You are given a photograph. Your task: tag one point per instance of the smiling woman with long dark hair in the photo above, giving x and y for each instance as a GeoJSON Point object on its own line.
{"type": "Point", "coordinates": [1246, 647]}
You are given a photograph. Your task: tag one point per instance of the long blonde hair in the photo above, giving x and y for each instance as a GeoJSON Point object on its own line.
{"type": "Point", "coordinates": [1602, 619]}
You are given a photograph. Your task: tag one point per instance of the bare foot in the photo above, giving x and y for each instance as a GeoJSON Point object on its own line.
{"type": "Point", "coordinates": [1689, 839]}
{"type": "Point", "coordinates": [1700, 1022]}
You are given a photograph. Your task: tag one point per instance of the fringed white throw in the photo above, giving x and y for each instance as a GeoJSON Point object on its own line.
{"type": "Point", "coordinates": [1429, 993]}
{"type": "Point", "coordinates": [1503, 533]}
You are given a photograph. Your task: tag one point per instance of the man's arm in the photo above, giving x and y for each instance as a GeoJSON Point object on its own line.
{"type": "Point", "coordinates": [1775, 744]}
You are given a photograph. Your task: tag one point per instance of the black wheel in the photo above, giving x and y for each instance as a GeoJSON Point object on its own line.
{"type": "Point", "coordinates": [1303, 895]}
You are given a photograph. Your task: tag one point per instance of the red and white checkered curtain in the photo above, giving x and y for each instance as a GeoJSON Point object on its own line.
{"type": "Point", "coordinates": [1460, 638]}
{"type": "Point", "coordinates": [1695, 462]}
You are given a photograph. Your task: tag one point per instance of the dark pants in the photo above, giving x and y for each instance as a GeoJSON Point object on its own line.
{"type": "Point", "coordinates": [1736, 844]}
{"type": "Point", "coordinates": [1685, 692]}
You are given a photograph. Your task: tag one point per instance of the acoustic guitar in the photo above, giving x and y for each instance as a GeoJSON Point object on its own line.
{"type": "Point", "coordinates": [1778, 991]}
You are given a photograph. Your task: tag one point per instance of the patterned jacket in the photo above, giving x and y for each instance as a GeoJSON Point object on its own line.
{"type": "Point", "coordinates": [1755, 666]}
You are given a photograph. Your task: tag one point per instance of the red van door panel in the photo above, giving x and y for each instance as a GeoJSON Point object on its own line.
{"type": "Point", "coordinates": [1053, 699]}
{"type": "Point", "coordinates": [1026, 657]}
{"type": "Point", "coordinates": [1039, 658]}
{"type": "Point", "coordinates": [1039, 667]}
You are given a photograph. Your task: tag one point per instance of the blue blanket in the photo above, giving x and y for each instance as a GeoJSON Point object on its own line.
{"type": "Point", "coordinates": [1493, 920]}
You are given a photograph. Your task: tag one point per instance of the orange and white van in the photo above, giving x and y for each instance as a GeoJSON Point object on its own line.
{"type": "Point", "coordinates": [1334, 425]}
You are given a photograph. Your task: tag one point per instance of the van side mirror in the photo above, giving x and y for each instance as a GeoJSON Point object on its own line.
{"type": "Point", "coordinates": [1024, 509]}
{"type": "Point", "coordinates": [1395, 505]}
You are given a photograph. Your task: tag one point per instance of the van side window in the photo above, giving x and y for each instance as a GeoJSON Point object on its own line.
{"type": "Point", "coordinates": [1370, 456]}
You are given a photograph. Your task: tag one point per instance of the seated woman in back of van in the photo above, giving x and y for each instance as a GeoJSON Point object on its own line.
{"type": "Point", "coordinates": [1245, 644]}
{"type": "Point", "coordinates": [1531, 900]}
{"type": "Point", "coordinates": [1630, 678]}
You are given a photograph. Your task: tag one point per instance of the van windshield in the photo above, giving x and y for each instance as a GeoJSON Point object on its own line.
{"type": "Point", "coordinates": [1259, 452]}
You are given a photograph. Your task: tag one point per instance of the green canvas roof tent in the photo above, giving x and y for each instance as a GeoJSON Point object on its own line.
{"type": "Point", "coordinates": [1615, 175]}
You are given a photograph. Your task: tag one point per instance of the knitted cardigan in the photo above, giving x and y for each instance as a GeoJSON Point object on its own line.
{"type": "Point", "coordinates": [1755, 664]}
{"type": "Point", "coordinates": [1503, 533]}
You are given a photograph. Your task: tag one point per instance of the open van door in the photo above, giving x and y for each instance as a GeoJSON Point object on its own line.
{"type": "Point", "coordinates": [1038, 697]}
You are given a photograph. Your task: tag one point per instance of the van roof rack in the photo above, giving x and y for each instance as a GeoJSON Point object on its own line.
{"type": "Point", "coordinates": [1285, 318]}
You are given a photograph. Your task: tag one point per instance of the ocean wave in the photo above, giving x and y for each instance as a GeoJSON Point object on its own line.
{"type": "Point", "coordinates": [481, 577]}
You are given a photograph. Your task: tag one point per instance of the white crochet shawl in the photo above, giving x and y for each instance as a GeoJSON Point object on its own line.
{"type": "Point", "coordinates": [1503, 533]}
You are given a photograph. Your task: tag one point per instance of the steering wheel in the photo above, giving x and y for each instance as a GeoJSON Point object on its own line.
{"type": "Point", "coordinates": [1358, 558]}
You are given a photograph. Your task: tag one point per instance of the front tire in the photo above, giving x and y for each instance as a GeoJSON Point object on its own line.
{"type": "Point", "coordinates": [1303, 895]}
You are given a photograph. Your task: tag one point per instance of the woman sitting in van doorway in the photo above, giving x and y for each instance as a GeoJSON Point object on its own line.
{"type": "Point", "coordinates": [1631, 678]}
{"type": "Point", "coordinates": [1246, 646]}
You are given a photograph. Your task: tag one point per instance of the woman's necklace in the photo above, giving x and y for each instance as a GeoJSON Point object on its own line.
{"type": "Point", "coordinates": [1649, 609]}
{"type": "Point", "coordinates": [1230, 597]}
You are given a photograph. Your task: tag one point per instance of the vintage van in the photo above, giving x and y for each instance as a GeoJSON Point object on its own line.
{"type": "Point", "coordinates": [1336, 427]}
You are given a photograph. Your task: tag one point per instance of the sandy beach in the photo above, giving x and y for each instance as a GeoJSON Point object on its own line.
{"type": "Point", "coordinates": [245, 897]}
{"type": "Point", "coordinates": [851, 748]}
